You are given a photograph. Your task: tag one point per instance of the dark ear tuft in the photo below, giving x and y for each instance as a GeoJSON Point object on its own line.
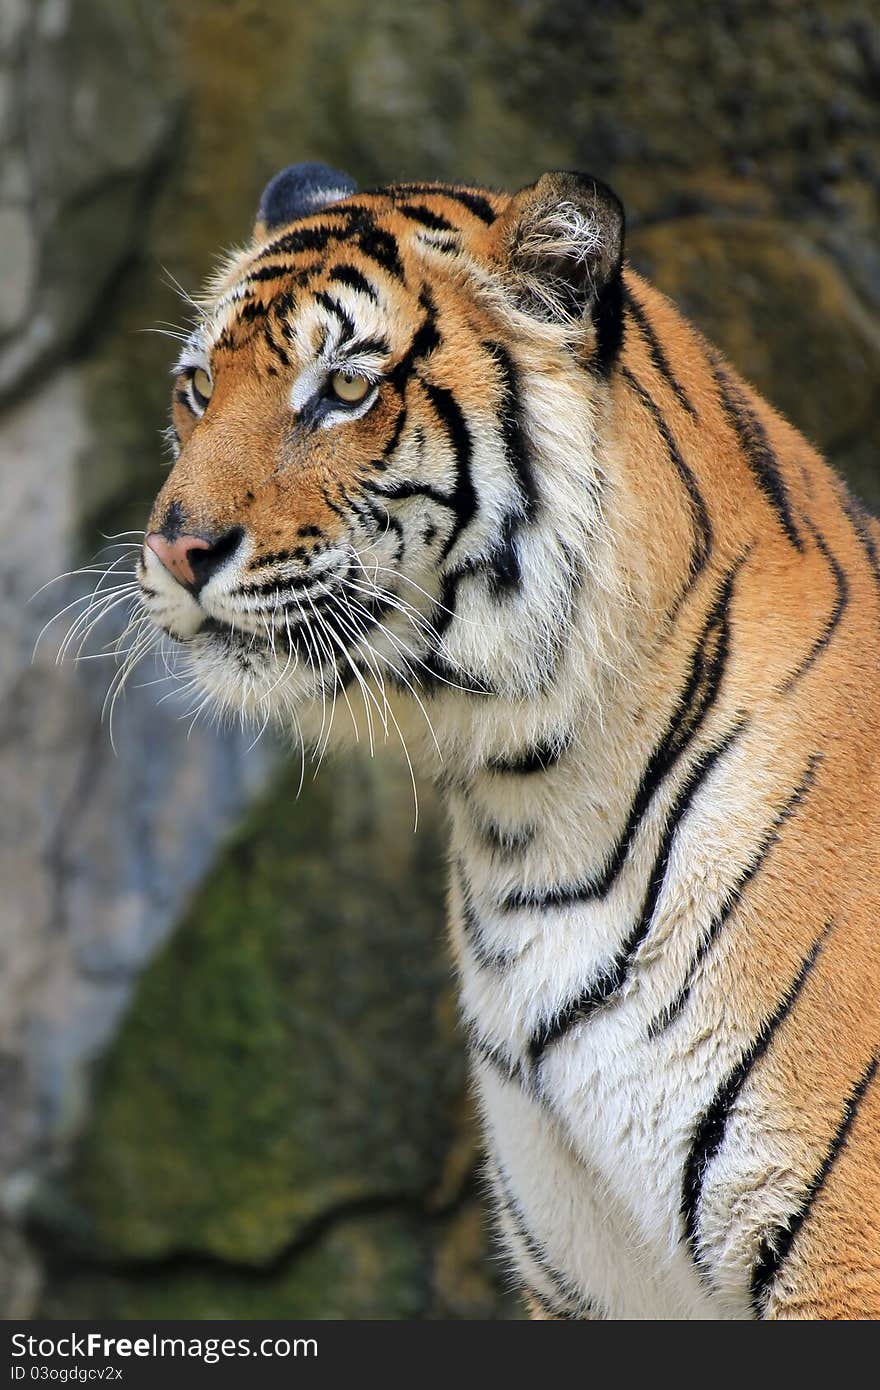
{"type": "Point", "coordinates": [562, 246]}
{"type": "Point", "coordinates": [299, 190]}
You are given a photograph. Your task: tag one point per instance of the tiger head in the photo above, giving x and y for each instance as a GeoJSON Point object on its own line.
{"type": "Point", "coordinates": [385, 420]}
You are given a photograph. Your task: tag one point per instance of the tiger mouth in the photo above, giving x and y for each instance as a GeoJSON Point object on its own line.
{"type": "Point", "coordinates": [228, 632]}
{"type": "Point", "coordinates": [296, 639]}
{"type": "Point", "coordinates": [229, 640]}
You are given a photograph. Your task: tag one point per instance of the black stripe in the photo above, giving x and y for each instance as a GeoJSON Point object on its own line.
{"type": "Point", "coordinates": [504, 560]}
{"type": "Point", "coordinates": [755, 446]}
{"type": "Point", "coordinates": [699, 694]}
{"type": "Point", "coordinates": [500, 1061]}
{"type": "Point", "coordinates": [377, 344]}
{"type": "Point", "coordinates": [302, 239]}
{"type": "Point", "coordinates": [435, 669]}
{"type": "Point", "coordinates": [607, 317]}
{"type": "Point", "coordinates": [838, 608]}
{"type": "Point", "coordinates": [474, 202]}
{"type": "Point", "coordinates": [733, 898]}
{"type": "Point", "coordinates": [614, 975]}
{"type": "Point", "coordinates": [545, 1307]}
{"type": "Point", "coordinates": [335, 308]}
{"type": "Point", "coordinates": [473, 929]}
{"type": "Point", "coordinates": [861, 522]}
{"type": "Point", "coordinates": [404, 489]}
{"type": "Point", "coordinates": [564, 1287]}
{"type": "Point", "coordinates": [703, 538]}
{"type": "Point", "coordinates": [274, 557]}
{"type": "Point", "coordinates": [349, 275]}
{"type": "Point", "coordinates": [270, 272]}
{"type": "Point", "coordinates": [711, 1127]}
{"type": "Point", "coordinates": [383, 522]}
{"type": "Point", "coordinates": [446, 245]}
{"type": "Point", "coordinates": [394, 438]}
{"type": "Point", "coordinates": [283, 306]}
{"type": "Point", "coordinates": [334, 506]}
{"type": "Point", "coordinates": [374, 520]}
{"type": "Point", "coordinates": [352, 221]}
{"type": "Point", "coordinates": [503, 842]}
{"type": "Point", "coordinates": [278, 350]}
{"type": "Point", "coordinates": [278, 584]}
{"type": "Point", "coordinates": [776, 1246]}
{"type": "Point", "coordinates": [464, 500]}
{"type": "Point", "coordinates": [425, 340]}
{"type": "Point", "coordinates": [251, 310]}
{"type": "Point", "coordinates": [444, 612]}
{"type": "Point", "coordinates": [658, 356]}
{"type": "Point", "coordinates": [398, 492]}
{"type": "Point", "coordinates": [539, 758]}
{"type": "Point", "coordinates": [417, 212]}
{"type": "Point", "coordinates": [381, 247]}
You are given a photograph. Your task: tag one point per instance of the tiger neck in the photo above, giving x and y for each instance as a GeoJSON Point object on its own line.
{"type": "Point", "coordinates": [600, 680]}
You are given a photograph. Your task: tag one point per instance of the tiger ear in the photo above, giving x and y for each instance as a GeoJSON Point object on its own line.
{"type": "Point", "coordinates": [298, 191]}
{"type": "Point", "coordinates": [561, 242]}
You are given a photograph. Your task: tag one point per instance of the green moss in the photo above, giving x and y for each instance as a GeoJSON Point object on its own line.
{"type": "Point", "coordinates": [390, 1264]}
{"type": "Point", "coordinates": [290, 1050]}
{"type": "Point", "coordinates": [370, 1267]}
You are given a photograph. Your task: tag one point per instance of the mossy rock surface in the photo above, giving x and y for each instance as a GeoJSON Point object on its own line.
{"type": "Point", "coordinates": [394, 1264]}
{"type": "Point", "coordinates": [293, 1050]}
{"type": "Point", "coordinates": [375, 1266]}
{"type": "Point", "coordinates": [282, 1128]}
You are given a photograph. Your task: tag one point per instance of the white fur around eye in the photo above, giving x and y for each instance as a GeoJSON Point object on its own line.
{"type": "Point", "coordinates": [307, 385]}
{"type": "Point", "coordinates": [313, 381]}
{"type": "Point", "coordinates": [349, 412]}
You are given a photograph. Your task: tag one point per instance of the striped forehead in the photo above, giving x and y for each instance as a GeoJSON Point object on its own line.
{"type": "Point", "coordinates": [351, 264]}
{"type": "Point", "coordinates": [336, 305]}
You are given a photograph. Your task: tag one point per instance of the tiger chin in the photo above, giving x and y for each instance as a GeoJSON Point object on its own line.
{"type": "Point", "coordinates": [449, 471]}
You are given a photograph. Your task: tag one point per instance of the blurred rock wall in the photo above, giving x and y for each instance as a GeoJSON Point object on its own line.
{"type": "Point", "coordinates": [279, 1123]}
{"type": "Point", "coordinates": [99, 849]}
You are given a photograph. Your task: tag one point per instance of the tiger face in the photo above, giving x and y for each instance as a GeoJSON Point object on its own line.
{"type": "Point", "coordinates": [350, 434]}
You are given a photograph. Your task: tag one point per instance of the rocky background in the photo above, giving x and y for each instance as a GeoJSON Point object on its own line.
{"type": "Point", "coordinates": [230, 1080]}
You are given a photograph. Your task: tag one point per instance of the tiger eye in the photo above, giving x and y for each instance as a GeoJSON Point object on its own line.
{"type": "Point", "coordinates": [202, 384]}
{"type": "Point", "coordinates": [350, 389]}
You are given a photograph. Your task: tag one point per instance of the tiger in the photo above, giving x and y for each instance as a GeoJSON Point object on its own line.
{"type": "Point", "coordinates": [448, 470]}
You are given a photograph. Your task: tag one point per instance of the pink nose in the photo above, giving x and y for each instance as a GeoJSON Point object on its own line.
{"type": "Point", "coordinates": [177, 555]}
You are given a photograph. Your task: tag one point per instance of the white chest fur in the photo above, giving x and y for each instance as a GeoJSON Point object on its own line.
{"type": "Point", "coordinates": [589, 1136]}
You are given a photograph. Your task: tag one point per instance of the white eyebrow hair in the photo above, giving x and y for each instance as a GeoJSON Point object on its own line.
{"type": "Point", "coordinates": [194, 353]}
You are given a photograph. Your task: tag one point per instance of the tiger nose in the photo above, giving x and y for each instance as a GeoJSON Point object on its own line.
{"type": "Point", "coordinates": [193, 560]}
